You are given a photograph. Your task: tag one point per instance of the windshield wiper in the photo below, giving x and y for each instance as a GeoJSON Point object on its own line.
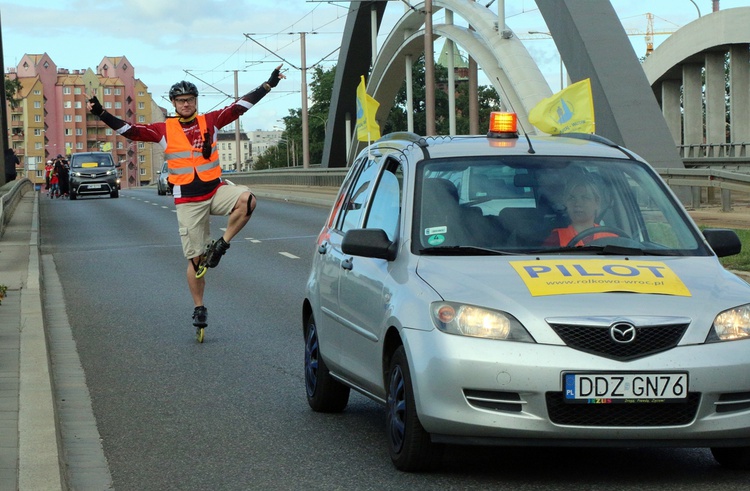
{"type": "Point", "coordinates": [461, 250]}
{"type": "Point", "coordinates": [606, 250]}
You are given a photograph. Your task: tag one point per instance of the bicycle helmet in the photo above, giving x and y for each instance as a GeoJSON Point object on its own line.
{"type": "Point", "coordinates": [182, 88]}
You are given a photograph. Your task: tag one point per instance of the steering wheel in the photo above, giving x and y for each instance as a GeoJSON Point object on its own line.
{"type": "Point", "coordinates": [596, 230]}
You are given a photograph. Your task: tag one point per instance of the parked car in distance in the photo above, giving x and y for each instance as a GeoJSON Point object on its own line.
{"type": "Point", "coordinates": [162, 184]}
{"type": "Point", "coordinates": [93, 173]}
{"type": "Point", "coordinates": [543, 290]}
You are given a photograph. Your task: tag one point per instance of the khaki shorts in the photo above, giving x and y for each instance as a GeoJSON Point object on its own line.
{"type": "Point", "coordinates": [193, 218]}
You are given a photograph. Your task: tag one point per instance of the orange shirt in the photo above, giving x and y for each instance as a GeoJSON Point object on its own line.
{"type": "Point", "coordinates": [563, 236]}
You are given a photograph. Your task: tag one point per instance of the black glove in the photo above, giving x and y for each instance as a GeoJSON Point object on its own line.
{"type": "Point", "coordinates": [96, 108]}
{"type": "Point", "coordinates": [273, 80]}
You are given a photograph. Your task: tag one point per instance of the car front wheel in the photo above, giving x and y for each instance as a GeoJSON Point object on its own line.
{"type": "Point", "coordinates": [324, 393]}
{"type": "Point", "coordinates": [409, 445]}
{"type": "Point", "coordinates": [732, 457]}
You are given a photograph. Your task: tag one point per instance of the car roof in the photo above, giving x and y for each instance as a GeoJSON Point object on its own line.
{"type": "Point", "coordinates": [482, 145]}
{"type": "Point", "coordinates": [86, 154]}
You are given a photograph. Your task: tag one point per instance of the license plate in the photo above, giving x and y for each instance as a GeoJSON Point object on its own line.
{"type": "Point", "coordinates": [607, 388]}
{"type": "Point", "coordinates": [95, 186]}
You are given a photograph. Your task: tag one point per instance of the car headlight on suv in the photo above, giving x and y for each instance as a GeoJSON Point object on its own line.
{"type": "Point", "coordinates": [470, 320]}
{"type": "Point", "coordinates": [731, 325]}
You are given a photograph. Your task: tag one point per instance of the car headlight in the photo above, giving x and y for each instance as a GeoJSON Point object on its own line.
{"type": "Point", "coordinates": [731, 325]}
{"type": "Point", "coordinates": [470, 320]}
{"type": "Point", "coordinates": [77, 174]}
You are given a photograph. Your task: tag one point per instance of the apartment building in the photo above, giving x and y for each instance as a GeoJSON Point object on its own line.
{"type": "Point", "coordinates": [227, 147]}
{"type": "Point", "coordinates": [52, 117]}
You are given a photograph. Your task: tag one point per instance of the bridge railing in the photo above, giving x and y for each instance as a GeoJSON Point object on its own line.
{"type": "Point", "coordinates": [710, 179]}
{"type": "Point", "coordinates": [715, 150]}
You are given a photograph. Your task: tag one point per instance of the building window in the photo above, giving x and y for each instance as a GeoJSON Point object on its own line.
{"type": "Point", "coordinates": [79, 131]}
{"type": "Point", "coordinates": [108, 132]}
{"type": "Point", "coordinates": [108, 105]}
{"type": "Point", "coordinates": [67, 105]}
{"type": "Point", "coordinates": [37, 132]}
{"type": "Point", "coordinates": [37, 104]}
{"type": "Point", "coordinates": [118, 91]}
{"type": "Point", "coordinates": [107, 91]}
{"type": "Point", "coordinates": [66, 90]}
{"type": "Point", "coordinates": [37, 118]}
{"type": "Point", "coordinates": [38, 146]}
{"type": "Point", "coordinates": [118, 105]}
{"type": "Point", "coordinates": [78, 105]}
{"type": "Point", "coordinates": [68, 132]}
{"type": "Point", "coordinates": [79, 118]}
{"type": "Point", "coordinates": [141, 105]}
{"type": "Point", "coordinates": [37, 92]}
{"type": "Point", "coordinates": [67, 118]}
{"type": "Point", "coordinates": [79, 146]}
{"type": "Point", "coordinates": [77, 91]}
{"type": "Point", "coordinates": [141, 119]}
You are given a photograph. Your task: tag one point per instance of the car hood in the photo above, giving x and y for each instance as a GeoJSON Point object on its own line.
{"type": "Point", "coordinates": [533, 289]}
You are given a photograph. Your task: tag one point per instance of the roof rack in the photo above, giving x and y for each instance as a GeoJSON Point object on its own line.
{"type": "Point", "coordinates": [590, 137]}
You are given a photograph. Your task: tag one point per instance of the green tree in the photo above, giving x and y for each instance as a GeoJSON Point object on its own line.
{"type": "Point", "coordinates": [488, 101]}
{"type": "Point", "coordinates": [321, 91]}
{"type": "Point", "coordinates": [12, 88]}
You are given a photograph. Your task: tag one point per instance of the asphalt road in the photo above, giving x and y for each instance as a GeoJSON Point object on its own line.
{"type": "Point", "coordinates": [231, 413]}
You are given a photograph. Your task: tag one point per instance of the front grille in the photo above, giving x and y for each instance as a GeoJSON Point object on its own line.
{"type": "Point", "coordinates": [623, 414]}
{"type": "Point", "coordinates": [597, 340]}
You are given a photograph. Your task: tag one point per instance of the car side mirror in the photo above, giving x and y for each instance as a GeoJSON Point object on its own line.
{"type": "Point", "coordinates": [369, 242]}
{"type": "Point", "coordinates": [723, 241]}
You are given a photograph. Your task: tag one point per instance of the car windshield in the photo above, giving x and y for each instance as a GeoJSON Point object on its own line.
{"type": "Point", "coordinates": [533, 204]}
{"type": "Point", "coordinates": [89, 162]}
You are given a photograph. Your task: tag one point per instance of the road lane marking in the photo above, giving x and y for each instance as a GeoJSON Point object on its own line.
{"type": "Point", "coordinates": [289, 255]}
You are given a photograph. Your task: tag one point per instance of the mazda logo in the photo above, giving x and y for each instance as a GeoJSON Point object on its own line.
{"type": "Point", "coordinates": [622, 333]}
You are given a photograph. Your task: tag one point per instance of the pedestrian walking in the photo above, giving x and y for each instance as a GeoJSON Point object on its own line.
{"type": "Point", "coordinates": [189, 140]}
{"type": "Point", "coordinates": [11, 162]}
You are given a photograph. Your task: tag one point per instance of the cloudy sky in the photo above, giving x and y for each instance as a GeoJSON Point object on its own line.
{"type": "Point", "coordinates": [206, 41]}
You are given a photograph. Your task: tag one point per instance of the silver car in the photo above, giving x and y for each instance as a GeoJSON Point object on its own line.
{"type": "Point", "coordinates": [543, 291]}
{"type": "Point", "coordinates": [162, 183]}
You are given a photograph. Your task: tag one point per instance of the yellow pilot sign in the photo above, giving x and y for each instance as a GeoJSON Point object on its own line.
{"type": "Point", "coordinates": [566, 276]}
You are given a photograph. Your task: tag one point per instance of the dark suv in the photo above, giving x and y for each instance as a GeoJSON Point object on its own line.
{"type": "Point", "coordinates": [93, 173]}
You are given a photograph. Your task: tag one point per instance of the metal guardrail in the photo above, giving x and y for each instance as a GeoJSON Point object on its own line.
{"type": "Point", "coordinates": [710, 178]}
{"type": "Point", "coordinates": [290, 176]}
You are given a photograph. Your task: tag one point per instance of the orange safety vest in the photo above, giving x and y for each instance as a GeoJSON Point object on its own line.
{"type": "Point", "coordinates": [565, 235]}
{"type": "Point", "coordinates": [184, 160]}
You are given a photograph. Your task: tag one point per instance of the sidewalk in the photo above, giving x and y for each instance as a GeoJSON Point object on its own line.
{"type": "Point", "coordinates": [30, 458]}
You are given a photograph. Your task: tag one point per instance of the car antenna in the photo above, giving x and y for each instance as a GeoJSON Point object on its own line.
{"type": "Point", "coordinates": [507, 101]}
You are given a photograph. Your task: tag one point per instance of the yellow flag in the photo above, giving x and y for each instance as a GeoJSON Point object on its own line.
{"type": "Point", "coordinates": [569, 111]}
{"type": "Point", "coordinates": [107, 147]}
{"type": "Point", "coordinates": [367, 128]}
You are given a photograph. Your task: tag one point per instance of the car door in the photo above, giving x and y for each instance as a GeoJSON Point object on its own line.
{"type": "Point", "coordinates": [330, 259]}
{"type": "Point", "coordinates": [364, 296]}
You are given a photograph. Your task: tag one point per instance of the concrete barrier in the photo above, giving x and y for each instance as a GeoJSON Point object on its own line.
{"type": "Point", "coordinates": [10, 194]}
